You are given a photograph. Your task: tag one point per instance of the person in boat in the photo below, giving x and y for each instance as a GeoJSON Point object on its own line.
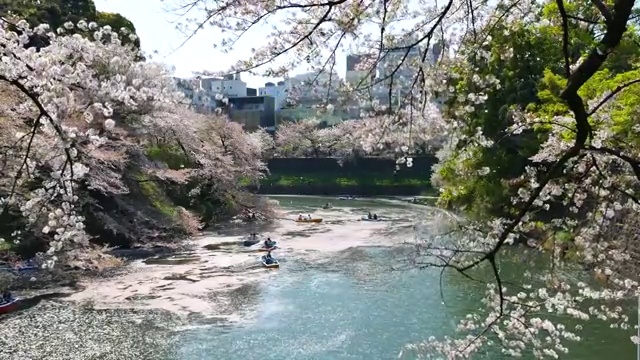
{"type": "Point", "coordinates": [369, 215]}
{"type": "Point", "coordinates": [268, 258]}
{"type": "Point", "coordinates": [268, 243]}
{"type": "Point", "coordinates": [309, 216]}
{"type": "Point", "coordinates": [300, 217]}
{"type": "Point", "coordinates": [375, 216]}
{"type": "Point", "coordinates": [6, 297]}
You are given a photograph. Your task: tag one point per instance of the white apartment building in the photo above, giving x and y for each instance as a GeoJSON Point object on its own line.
{"type": "Point", "coordinates": [313, 87]}
{"type": "Point", "coordinates": [230, 86]}
{"type": "Point", "coordinates": [193, 91]}
{"type": "Point", "coordinates": [360, 77]}
{"type": "Point", "coordinates": [308, 87]}
{"type": "Point", "coordinates": [316, 83]}
{"type": "Point", "coordinates": [202, 91]}
{"type": "Point", "coordinates": [278, 91]}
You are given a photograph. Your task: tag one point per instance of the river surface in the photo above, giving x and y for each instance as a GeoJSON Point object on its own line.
{"type": "Point", "coordinates": [343, 291]}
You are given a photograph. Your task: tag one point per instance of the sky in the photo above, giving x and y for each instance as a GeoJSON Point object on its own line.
{"type": "Point", "coordinates": [158, 34]}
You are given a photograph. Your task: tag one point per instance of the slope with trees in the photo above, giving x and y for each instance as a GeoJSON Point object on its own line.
{"type": "Point", "coordinates": [98, 147]}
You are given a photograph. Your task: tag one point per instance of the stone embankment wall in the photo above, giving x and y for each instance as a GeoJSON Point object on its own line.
{"type": "Point", "coordinates": [361, 176]}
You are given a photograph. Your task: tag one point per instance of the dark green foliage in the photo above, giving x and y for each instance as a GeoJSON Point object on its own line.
{"type": "Point", "coordinates": [57, 12]}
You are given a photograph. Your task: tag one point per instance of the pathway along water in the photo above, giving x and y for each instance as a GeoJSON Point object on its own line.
{"type": "Point", "coordinates": [334, 297]}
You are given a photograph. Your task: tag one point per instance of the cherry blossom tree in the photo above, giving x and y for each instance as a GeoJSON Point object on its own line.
{"type": "Point", "coordinates": [214, 147]}
{"type": "Point", "coordinates": [585, 167]}
{"type": "Point", "coordinates": [65, 96]}
{"type": "Point", "coordinates": [78, 117]}
{"type": "Point", "coordinates": [384, 135]}
{"type": "Point", "coordinates": [307, 138]}
{"type": "Point", "coordinates": [264, 141]}
{"type": "Point", "coordinates": [398, 134]}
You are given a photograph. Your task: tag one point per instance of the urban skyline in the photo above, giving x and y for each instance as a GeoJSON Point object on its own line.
{"type": "Point", "coordinates": [352, 60]}
{"type": "Point", "coordinates": [295, 98]}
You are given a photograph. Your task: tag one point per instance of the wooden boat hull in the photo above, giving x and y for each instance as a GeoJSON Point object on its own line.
{"type": "Point", "coordinates": [309, 221]}
{"type": "Point", "coordinates": [365, 218]}
{"type": "Point", "coordinates": [274, 265]}
{"type": "Point", "coordinates": [250, 242]}
{"type": "Point", "coordinates": [9, 307]}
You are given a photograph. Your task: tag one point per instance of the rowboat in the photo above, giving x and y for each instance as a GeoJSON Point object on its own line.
{"type": "Point", "coordinates": [366, 218]}
{"type": "Point", "coordinates": [346, 197]}
{"type": "Point", "coordinates": [274, 265]}
{"type": "Point", "coordinates": [250, 241]}
{"type": "Point", "coordinates": [263, 248]}
{"type": "Point", "coordinates": [18, 268]}
{"type": "Point", "coordinates": [11, 306]}
{"type": "Point", "coordinates": [318, 220]}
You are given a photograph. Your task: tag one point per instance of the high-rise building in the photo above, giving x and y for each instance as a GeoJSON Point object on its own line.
{"type": "Point", "coordinates": [359, 76]}
{"type": "Point", "coordinates": [353, 61]}
{"type": "Point", "coordinates": [436, 50]}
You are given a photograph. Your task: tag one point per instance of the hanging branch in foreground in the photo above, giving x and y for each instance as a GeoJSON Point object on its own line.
{"type": "Point", "coordinates": [500, 84]}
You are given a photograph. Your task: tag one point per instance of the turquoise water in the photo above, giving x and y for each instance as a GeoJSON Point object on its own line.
{"type": "Point", "coordinates": [354, 306]}
{"type": "Point", "coordinates": [315, 314]}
